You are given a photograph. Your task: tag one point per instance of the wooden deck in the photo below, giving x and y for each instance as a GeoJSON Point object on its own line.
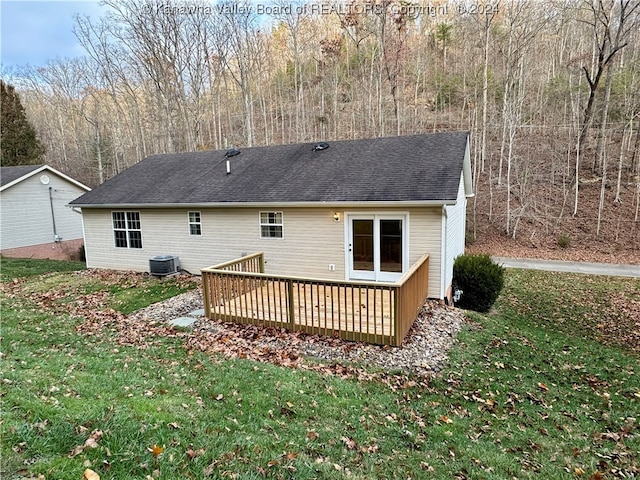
{"type": "Point", "coordinates": [317, 308]}
{"type": "Point", "coordinates": [373, 312]}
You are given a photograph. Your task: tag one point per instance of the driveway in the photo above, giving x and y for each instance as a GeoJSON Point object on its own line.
{"type": "Point", "coordinates": [618, 270]}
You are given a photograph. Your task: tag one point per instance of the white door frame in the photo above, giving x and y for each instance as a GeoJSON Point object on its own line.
{"type": "Point", "coordinates": [377, 274]}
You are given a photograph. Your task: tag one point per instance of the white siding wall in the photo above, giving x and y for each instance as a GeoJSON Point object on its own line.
{"type": "Point", "coordinates": [312, 240]}
{"type": "Point", "coordinates": [455, 234]}
{"type": "Point", "coordinates": [26, 212]}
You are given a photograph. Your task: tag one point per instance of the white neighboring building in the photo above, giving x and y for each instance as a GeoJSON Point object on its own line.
{"type": "Point", "coordinates": [36, 220]}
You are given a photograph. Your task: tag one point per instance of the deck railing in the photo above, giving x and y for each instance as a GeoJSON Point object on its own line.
{"type": "Point", "coordinates": [372, 312]}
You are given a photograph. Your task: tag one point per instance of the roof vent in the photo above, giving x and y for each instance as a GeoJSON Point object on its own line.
{"type": "Point", "coordinates": [320, 146]}
{"type": "Point", "coordinates": [232, 152]}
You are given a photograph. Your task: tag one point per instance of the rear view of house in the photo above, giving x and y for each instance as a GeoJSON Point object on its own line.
{"type": "Point", "coordinates": [343, 210]}
{"type": "Point", "coordinates": [36, 221]}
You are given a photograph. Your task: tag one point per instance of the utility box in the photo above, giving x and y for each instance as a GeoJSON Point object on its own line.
{"type": "Point", "coordinates": [161, 265]}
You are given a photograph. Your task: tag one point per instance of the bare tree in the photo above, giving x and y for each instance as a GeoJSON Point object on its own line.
{"type": "Point", "coordinates": [611, 22]}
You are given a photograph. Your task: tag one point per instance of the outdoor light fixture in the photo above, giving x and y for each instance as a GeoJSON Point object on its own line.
{"type": "Point", "coordinates": [336, 216]}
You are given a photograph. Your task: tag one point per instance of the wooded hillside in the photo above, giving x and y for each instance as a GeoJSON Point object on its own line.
{"type": "Point", "coordinates": [550, 91]}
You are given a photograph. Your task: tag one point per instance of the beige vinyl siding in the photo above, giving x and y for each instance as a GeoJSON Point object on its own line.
{"type": "Point", "coordinates": [425, 225]}
{"type": "Point", "coordinates": [312, 240]}
{"type": "Point", "coordinates": [26, 212]}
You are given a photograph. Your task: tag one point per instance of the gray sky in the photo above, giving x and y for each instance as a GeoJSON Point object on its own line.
{"type": "Point", "coordinates": [32, 32]}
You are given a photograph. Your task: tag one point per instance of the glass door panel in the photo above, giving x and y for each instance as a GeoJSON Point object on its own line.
{"type": "Point", "coordinates": [362, 245]}
{"type": "Point", "coordinates": [391, 246]}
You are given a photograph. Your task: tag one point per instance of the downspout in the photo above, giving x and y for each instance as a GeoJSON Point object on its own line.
{"type": "Point", "coordinates": [443, 253]}
{"type": "Point", "coordinates": [53, 217]}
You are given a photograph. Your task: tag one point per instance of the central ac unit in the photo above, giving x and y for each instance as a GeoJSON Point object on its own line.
{"type": "Point", "coordinates": [164, 265]}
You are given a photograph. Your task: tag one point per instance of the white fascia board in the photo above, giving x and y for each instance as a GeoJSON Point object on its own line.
{"type": "Point", "coordinates": [423, 203]}
{"type": "Point", "coordinates": [41, 169]}
{"type": "Point", "coordinates": [68, 178]}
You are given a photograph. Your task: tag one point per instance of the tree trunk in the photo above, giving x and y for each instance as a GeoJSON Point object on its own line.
{"type": "Point", "coordinates": [603, 118]}
{"type": "Point", "coordinates": [485, 90]}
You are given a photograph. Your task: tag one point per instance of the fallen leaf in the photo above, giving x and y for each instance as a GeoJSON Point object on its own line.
{"type": "Point", "coordinates": [91, 442]}
{"type": "Point", "coordinates": [191, 453]}
{"type": "Point", "coordinates": [76, 451]}
{"type": "Point", "coordinates": [90, 475]}
{"type": "Point", "coordinates": [156, 450]}
{"type": "Point", "coordinates": [291, 456]}
{"type": "Point", "coordinates": [350, 443]}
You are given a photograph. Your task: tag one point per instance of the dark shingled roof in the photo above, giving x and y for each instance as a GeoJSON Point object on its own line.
{"type": "Point", "coordinates": [10, 174]}
{"type": "Point", "coordinates": [393, 169]}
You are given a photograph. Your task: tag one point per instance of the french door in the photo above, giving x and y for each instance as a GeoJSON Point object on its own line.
{"type": "Point", "coordinates": [376, 247]}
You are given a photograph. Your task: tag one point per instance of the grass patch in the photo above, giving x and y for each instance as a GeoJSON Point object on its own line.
{"type": "Point", "coordinates": [128, 300]}
{"type": "Point", "coordinates": [524, 396]}
{"type": "Point", "coordinates": [25, 267]}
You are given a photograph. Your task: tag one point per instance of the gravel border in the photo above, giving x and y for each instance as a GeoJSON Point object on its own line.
{"type": "Point", "coordinates": [424, 351]}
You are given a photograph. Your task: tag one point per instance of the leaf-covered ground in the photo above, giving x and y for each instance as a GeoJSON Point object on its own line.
{"type": "Point", "coordinates": [535, 389]}
{"type": "Point", "coordinates": [606, 309]}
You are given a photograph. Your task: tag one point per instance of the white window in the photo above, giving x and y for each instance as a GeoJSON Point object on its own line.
{"type": "Point", "coordinates": [195, 223]}
{"type": "Point", "coordinates": [271, 225]}
{"type": "Point", "coordinates": [127, 229]}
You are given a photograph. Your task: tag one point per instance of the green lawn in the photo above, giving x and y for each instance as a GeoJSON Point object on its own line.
{"type": "Point", "coordinates": [545, 386]}
{"type": "Point", "coordinates": [22, 267]}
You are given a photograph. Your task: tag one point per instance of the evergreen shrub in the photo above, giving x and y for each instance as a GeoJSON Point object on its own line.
{"type": "Point", "coordinates": [564, 240]}
{"type": "Point", "coordinates": [480, 279]}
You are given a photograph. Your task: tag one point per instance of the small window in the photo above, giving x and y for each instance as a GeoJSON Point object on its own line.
{"type": "Point", "coordinates": [127, 229]}
{"type": "Point", "coordinates": [271, 225]}
{"type": "Point", "coordinates": [195, 223]}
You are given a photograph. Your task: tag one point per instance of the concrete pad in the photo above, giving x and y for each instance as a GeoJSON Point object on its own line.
{"type": "Point", "coordinates": [182, 321]}
{"type": "Point", "coordinates": [197, 313]}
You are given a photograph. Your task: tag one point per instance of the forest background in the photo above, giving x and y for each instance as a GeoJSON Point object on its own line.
{"type": "Point", "coordinates": [549, 90]}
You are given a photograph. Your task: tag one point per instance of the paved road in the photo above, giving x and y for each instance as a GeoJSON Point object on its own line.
{"type": "Point", "coordinates": [575, 267]}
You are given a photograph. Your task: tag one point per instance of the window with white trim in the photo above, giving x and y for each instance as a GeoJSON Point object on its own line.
{"type": "Point", "coordinates": [195, 223]}
{"type": "Point", "coordinates": [271, 225]}
{"type": "Point", "coordinates": [127, 229]}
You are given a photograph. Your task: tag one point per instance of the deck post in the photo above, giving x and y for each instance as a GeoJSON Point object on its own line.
{"type": "Point", "coordinates": [397, 337]}
{"type": "Point", "coordinates": [261, 263]}
{"type": "Point", "coordinates": [206, 294]}
{"type": "Point", "coordinates": [291, 309]}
